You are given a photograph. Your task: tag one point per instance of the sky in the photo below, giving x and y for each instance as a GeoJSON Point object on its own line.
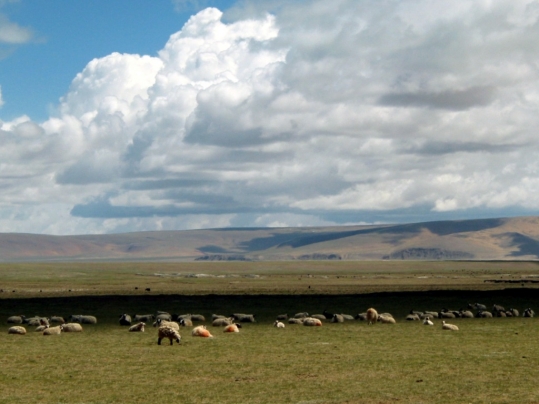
{"type": "Point", "coordinates": [137, 115]}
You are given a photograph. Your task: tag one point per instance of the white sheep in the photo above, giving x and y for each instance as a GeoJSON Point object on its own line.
{"type": "Point", "coordinates": [372, 316]}
{"type": "Point", "coordinates": [278, 324]}
{"type": "Point", "coordinates": [201, 331]}
{"type": "Point", "coordinates": [41, 328]}
{"type": "Point", "coordinates": [312, 322]}
{"type": "Point", "coordinates": [17, 329]}
{"type": "Point", "coordinates": [53, 330]}
{"type": "Point", "coordinates": [139, 327]}
{"type": "Point", "coordinates": [446, 326]}
{"type": "Point", "coordinates": [295, 321]}
{"type": "Point", "coordinates": [71, 327]}
{"type": "Point", "coordinates": [222, 321]}
{"type": "Point", "coordinates": [427, 321]}
{"type": "Point", "coordinates": [168, 332]}
{"type": "Point", "coordinates": [385, 319]}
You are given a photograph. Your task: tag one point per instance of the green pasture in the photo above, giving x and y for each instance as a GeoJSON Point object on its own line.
{"type": "Point", "coordinates": [486, 361]}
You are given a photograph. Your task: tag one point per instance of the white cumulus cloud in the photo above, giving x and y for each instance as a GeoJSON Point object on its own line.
{"type": "Point", "coordinates": [315, 113]}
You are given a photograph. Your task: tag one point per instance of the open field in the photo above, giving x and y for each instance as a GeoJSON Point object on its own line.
{"type": "Point", "coordinates": [487, 361]}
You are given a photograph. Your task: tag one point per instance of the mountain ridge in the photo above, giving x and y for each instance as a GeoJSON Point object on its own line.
{"type": "Point", "coordinates": [478, 239]}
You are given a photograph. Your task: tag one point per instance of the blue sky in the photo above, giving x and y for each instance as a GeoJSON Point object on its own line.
{"type": "Point", "coordinates": [66, 35]}
{"type": "Point", "coordinates": [133, 115]}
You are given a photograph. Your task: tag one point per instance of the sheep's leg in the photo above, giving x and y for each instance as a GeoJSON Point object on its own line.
{"type": "Point", "coordinates": [158, 341]}
{"type": "Point", "coordinates": [171, 341]}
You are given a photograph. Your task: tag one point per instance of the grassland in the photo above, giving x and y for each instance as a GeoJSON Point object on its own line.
{"type": "Point", "coordinates": [487, 361]}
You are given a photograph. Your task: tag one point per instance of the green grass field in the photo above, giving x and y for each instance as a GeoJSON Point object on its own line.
{"type": "Point", "coordinates": [486, 361]}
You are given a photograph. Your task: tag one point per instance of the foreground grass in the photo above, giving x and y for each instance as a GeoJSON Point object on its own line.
{"type": "Point", "coordinates": [494, 361]}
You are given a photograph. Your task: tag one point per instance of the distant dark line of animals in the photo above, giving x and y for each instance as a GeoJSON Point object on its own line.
{"type": "Point", "coordinates": [169, 325]}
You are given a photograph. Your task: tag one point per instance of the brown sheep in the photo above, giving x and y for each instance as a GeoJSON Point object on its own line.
{"type": "Point", "coordinates": [372, 316]}
{"type": "Point", "coordinates": [168, 332]}
{"type": "Point", "coordinates": [201, 331]}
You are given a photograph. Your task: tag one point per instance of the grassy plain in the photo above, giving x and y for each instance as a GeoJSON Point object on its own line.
{"type": "Point", "coordinates": [487, 361]}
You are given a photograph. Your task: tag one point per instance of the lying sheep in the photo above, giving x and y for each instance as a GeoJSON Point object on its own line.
{"type": "Point", "coordinates": [361, 316]}
{"type": "Point", "coordinates": [465, 313]}
{"type": "Point", "coordinates": [221, 322]}
{"type": "Point", "coordinates": [483, 314]}
{"type": "Point", "coordinates": [139, 327]}
{"type": "Point", "coordinates": [385, 319]}
{"type": "Point", "coordinates": [57, 319]}
{"type": "Point", "coordinates": [198, 317]}
{"type": "Point", "coordinates": [337, 318]}
{"type": "Point", "coordinates": [372, 316]}
{"type": "Point", "coordinates": [17, 329]}
{"type": "Point", "coordinates": [244, 318]}
{"type": "Point", "coordinates": [347, 316]}
{"type": "Point", "coordinates": [312, 322]}
{"type": "Point", "coordinates": [186, 322]}
{"type": "Point", "coordinates": [295, 321]}
{"type": "Point", "coordinates": [146, 318]}
{"type": "Point", "coordinates": [168, 332]}
{"type": "Point", "coordinates": [446, 326]}
{"type": "Point", "coordinates": [82, 319]}
{"type": "Point", "coordinates": [16, 319]}
{"type": "Point", "coordinates": [528, 312]}
{"type": "Point", "coordinates": [53, 330]}
{"type": "Point", "coordinates": [512, 312]}
{"type": "Point", "coordinates": [41, 328]}
{"type": "Point", "coordinates": [278, 324]}
{"type": "Point", "coordinates": [201, 331]}
{"type": "Point", "coordinates": [71, 327]}
{"type": "Point", "coordinates": [232, 328]}
{"type": "Point", "coordinates": [427, 321]}
{"type": "Point", "coordinates": [320, 317]}
{"type": "Point", "coordinates": [301, 315]}
{"type": "Point", "coordinates": [172, 324]}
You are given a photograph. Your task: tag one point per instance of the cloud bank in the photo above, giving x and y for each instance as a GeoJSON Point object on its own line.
{"type": "Point", "coordinates": [331, 112]}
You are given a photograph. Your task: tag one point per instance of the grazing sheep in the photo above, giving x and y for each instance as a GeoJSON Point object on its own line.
{"type": "Point", "coordinates": [427, 321]}
{"type": "Point", "coordinates": [146, 318]}
{"type": "Point", "coordinates": [483, 314]}
{"type": "Point", "coordinates": [372, 316]}
{"type": "Point", "coordinates": [125, 319]}
{"type": "Point", "coordinates": [222, 322]}
{"type": "Point", "coordinates": [361, 316]}
{"type": "Point", "coordinates": [186, 322]}
{"type": "Point", "coordinates": [232, 328]}
{"type": "Point", "coordinates": [528, 312]}
{"type": "Point", "coordinates": [295, 321]}
{"type": "Point", "coordinates": [337, 318]}
{"type": "Point", "coordinates": [82, 319]}
{"type": "Point", "coordinates": [201, 331]}
{"type": "Point", "coordinates": [385, 319]}
{"type": "Point", "coordinates": [71, 327]}
{"type": "Point", "coordinates": [17, 329]}
{"type": "Point", "coordinates": [16, 319]}
{"type": "Point", "coordinates": [312, 322]}
{"type": "Point", "coordinates": [278, 324]}
{"type": "Point", "coordinates": [168, 332]}
{"type": "Point", "coordinates": [171, 324]}
{"type": "Point", "coordinates": [53, 330]}
{"type": "Point", "coordinates": [139, 327]}
{"type": "Point", "coordinates": [446, 326]}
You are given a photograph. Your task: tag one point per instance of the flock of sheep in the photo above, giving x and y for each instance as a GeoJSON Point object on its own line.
{"type": "Point", "coordinates": [168, 325]}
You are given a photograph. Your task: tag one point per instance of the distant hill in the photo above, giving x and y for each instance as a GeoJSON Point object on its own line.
{"type": "Point", "coordinates": [484, 239]}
